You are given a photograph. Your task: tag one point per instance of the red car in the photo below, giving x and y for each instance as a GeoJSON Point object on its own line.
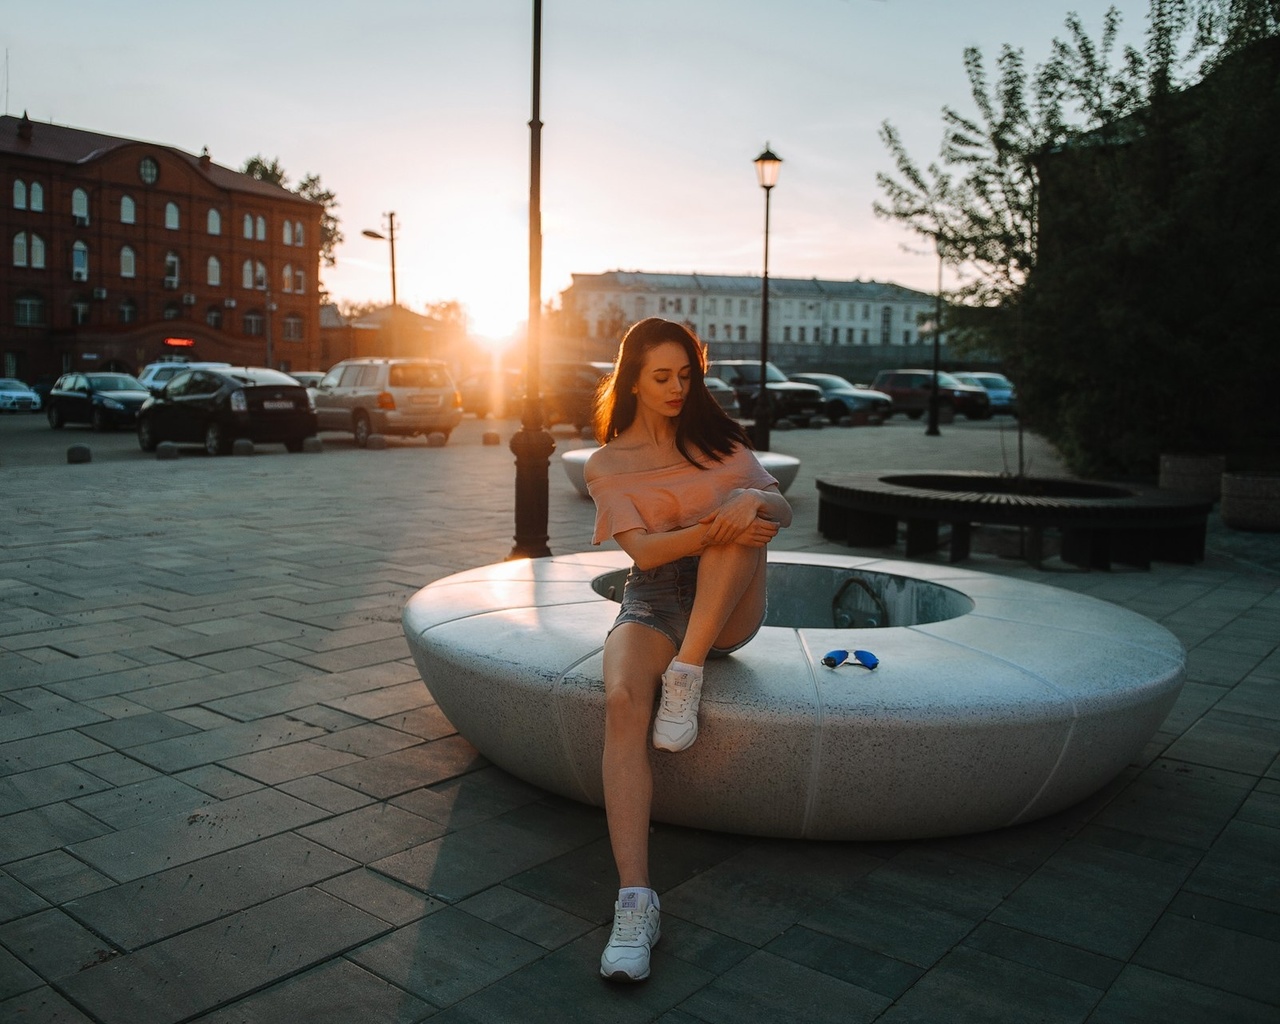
{"type": "Point", "coordinates": [910, 391]}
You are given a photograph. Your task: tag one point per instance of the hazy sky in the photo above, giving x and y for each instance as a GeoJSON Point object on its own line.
{"type": "Point", "coordinates": [653, 111]}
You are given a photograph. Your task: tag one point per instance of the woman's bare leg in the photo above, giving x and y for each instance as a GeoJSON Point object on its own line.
{"type": "Point", "coordinates": [729, 602]}
{"type": "Point", "coordinates": [634, 659]}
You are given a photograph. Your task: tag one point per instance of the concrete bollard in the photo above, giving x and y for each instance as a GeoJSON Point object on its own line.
{"type": "Point", "coordinates": [78, 453]}
{"type": "Point", "coordinates": [242, 446]}
{"type": "Point", "coordinates": [312, 444]}
{"type": "Point", "coordinates": [376, 442]}
{"type": "Point", "coordinates": [491, 437]}
{"type": "Point", "coordinates": [166, 450]}
{"type": "Point", "coordinates": [436, 439]}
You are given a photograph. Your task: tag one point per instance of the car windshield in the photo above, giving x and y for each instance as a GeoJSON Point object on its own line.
{"type": "Point", "coordinates": [750, 372]}
{"type": "Point", "coordinates": [948, 381]}
{"type": "Point", "coordinates": [825, 380]}
{"type": "Point", "coordinates": [259, 375]}
{"type": "Point", "coordinates": [417, 375]}
{"type": "Point", "coordinates": [114, 382]}
{"type": "Point", "coordinates": [12, 385]}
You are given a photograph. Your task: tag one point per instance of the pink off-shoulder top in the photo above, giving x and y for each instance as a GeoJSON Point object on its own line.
{"type": "Point", "coordinates": [673, 497]}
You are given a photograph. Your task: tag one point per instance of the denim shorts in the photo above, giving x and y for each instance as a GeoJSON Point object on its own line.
{"type": "Point", "coordinates": [662, 599]}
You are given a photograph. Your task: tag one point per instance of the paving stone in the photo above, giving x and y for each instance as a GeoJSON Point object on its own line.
{"type": "Point", "coordinates": [41, 1006]}
{"type": "Point", "coordinates": [1234, 742]}
{"type": "Point", "coordinates": [179, 839]}
{"type": "Point", "coordinates": [447, 956]}
{"type": "Point", "coordinates": [383, 897]}
{"type": "Point", "coordinates": [16, 900]}
{"type": "Point", "coordinates": [292, 761]}
{"type": "Point", "coordinates": [1241, 867]}
{"type": "Point", "coordinates": [1178, 802]}
{"type": "Point", "coordinates": [474, 797]}
{"type": "Point", "coordinates": [846, 961]}
{"type": "Point", "coordinates": [28, 833]}
{"type": "Point", "coordinates": [57, 876]}
{"type": "Point", "coordinates": [15, 977]}
{"type": "Point", "coordinates": [25, 755]}
{"type": "Point", "coordinates": [1140, 994]}
{"type": "Point", "coordinates": [325, 794]}
{"type": "Point", "coordinates": [1212, 955]}
{"type": "Point", "coordinates": [38, 723]}
{"type": "Point", "coordinates": [117, 769]}
{"type": "Point", "coordinates": [208, 966]}
{"type": "Point", "coordinates": [404, 770]}
{"type": "Point", "coordinates": [45, 786]}
{"type": "Point", "coordinates": [336, 992]}
{"type": "Point", "coordinates": [223, 743]}
{"type": "Point", "coordinates": [1066, 961]}
{"type": "Point", "coordinates": [217, 781]}
{"type": "Point", "coordinates": [387, 700]}
{"type": "Point", "coordinates": [527, 917]}
{"type": "Point", "coordinates": [139, 802]}
{"type": "Point", "coordinates": [54, 944]}
{"type": "Point", "coordinates": [428, 723]}
{"type": "Point", "coordinates": [372, 832]}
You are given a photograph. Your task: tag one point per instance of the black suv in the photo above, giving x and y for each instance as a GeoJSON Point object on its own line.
{"type": "Point", "coordinates": [910, 391]}
{"type": "Point", "coordinates": [790, 400]}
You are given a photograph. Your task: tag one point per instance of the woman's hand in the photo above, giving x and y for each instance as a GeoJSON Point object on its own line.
{"type": "Point", "coordinates": [739, 521]}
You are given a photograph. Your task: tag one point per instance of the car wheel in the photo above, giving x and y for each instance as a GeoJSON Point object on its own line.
{"type": "Point", "coordinates": [146, 436]}
{"type": "Point", "coordinates": [215, 439]}
{"type": "Point", "coordinates": [915, 414]}
{"type": "Point", "coordinates": [99, 422]}
{"type": "Point", "coordinates": [360, 427]}
{"type": "Point", "coordinates": [837, 410]}
{"type": "Point", "coordinates": [55, 417]}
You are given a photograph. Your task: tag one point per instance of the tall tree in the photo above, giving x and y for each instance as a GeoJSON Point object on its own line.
{"type": "Point", "coordinates": [309, 188]}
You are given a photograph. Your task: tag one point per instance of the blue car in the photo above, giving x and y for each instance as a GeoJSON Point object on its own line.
{"type": "Point", "coordinates": [1000, 390]}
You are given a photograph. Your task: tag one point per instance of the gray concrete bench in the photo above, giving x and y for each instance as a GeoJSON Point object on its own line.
{"type": "Point", "coordinates": [783, 468]}
{"type": "Point", "coordinates": [996, 701]}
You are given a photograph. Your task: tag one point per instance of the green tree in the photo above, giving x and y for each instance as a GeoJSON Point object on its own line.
{"type": "Point", "coordinates": [310, 187]}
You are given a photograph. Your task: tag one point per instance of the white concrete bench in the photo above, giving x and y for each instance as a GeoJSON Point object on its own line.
{"type": "Point", "coordinates": [782, 468]}
{"type": "Point", "coordinates": [996, 701]}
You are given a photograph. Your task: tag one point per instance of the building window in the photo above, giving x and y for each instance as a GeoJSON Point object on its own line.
{"type": "Point", "coordinates": [79, 262]}
{"type": "Point", "coordinates": [213, 317]}
{"type": "Point", "coordinates": [906, 337]}
{"type": "Point", "coordinates": [711, 332]}
{"type": "Point", "coordinates": [786, 334]}
{"type": "Point", "coordinates": [297, 232]}
{"type": "Point", "coordinates": [260, 276]}
{"type": "Point", "coordinates": [213, 272]}
{"type": "Point", "coordinates": [246, 274]}
{"type": "Point", "coordinates": [848, 336]}
{"type": "Point", "coordinates": [171, 216]}
{"type": "Point", "coordinates": [128, 210]}
{"type": "Point", "coordinates": [866, 311]}
{"type": "Point", "coordinates": [742, 333]}
{"type": "Point", "coordinates": [293, 327]}
{"type": "Point", "coordinates": [801, 335]}
{"type": "Point", "coordinates": [742, 311]}
{"type": "Point", "coordinates": [36, 197]}
{"type": "Point", "coordinates": [128, 311]}
{"type": "Point", "coordinates": [288, 233]}
{"type": "Point", "coordinates": [128, 262]}
{"type": "Point", "coordinates": [886, 321]}
{"type": "Point", "coordinates": [253, 324]}
{"type": "Point", "coordinates": [20, 249]}
{"type": "Point", "coordinates": [866, 336]}
{"type": "Point", "coordinates": [260, 229]}
{"type": "Point", "coordinates": [79, 312]}
{"type": "Point", "coordinates": [287, 276]}
{"type": "Point", "coordinates": [172, 310]}
{"type": "Point", "coordinates": [28, 310]}
{"type": "Point", "coordinates": [299, 282]}
{"type": "Point", "coordinates": [80, 206]}
{"type": "Point", "coordinates": [172, 270]}
{"type": "Point", "coordinates": [248, 225]}
{"type": "Point", "coordinates": [213, 222]}
{"type": "Point", "coordinates": [19, 194]}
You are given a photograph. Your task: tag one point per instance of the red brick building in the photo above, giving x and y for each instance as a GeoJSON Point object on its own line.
{"type": "Point", "coordinates": [117, 253]}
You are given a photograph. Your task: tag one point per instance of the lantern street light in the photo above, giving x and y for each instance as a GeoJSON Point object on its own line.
{"type": "Point", "coordinates": [390, 236]}
{"type": "Point", "coordinates": [531, 444]}
{"type": "Point", "coordinates": [768, 164]}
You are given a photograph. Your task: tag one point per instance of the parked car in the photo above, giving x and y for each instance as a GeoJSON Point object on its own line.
{"type": "Point", "coordinates": [569, 391]}
{"type": "Point", "coordinates": [790, 399]}
{"type": "Point", "coordinates": [103, 400]}
{"type": "Point", "coordinates": [724, 395]}
{"type": "Point", "coordinates": [841, 399]}
{"type": "Point", "coordinates": [307, 378]}
{"type": "Point", "coordinates": [15, 396]}
{"type": "Point", "coordinates": [488, 393]}
{"type": "Point", "coordinates": [214, 407]}
{"type": "Point", "coordinates": [910, 391]}
{"type": "Point", "coordinates": [406, 397]}
{"type": "Point", "coordinates": [155, 376]}
{"type": "Point", "coordinates": [1000, 390]}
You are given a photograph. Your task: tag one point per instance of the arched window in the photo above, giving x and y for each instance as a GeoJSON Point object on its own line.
{"type": "Point", "coordinates": [20, 249]}
{"type": "Point", "coordinates": [260, 276]}
{"type": "Point", "coordinates": [293, 327]}
{"type": "Point", "coordinates": [214, 222]}
{"type": "Point", "coordinates": [19, 194]}
{"type": "Point", "coordinates": [297, 232]}
{"type": "Point", "coordinates": [79, 262]}
{"type": "Point", "coordinates": [36, 251]}
{"type": "Point", "coordinates": [80, 206]}
{"type": "Point", "coordinates": [128, 210]}
{"type": "Point", "coordinates": [246, 274]}
{"type": "Point", "coordinates": [248, 225]}
{"type": "Point", "coordinates": [287, 284]}
{"type": "Point", "coordinates": [213, 316]}
{"type": "Point", "coordinates": [172, 269]}
{"type": "Point", "coordinates": [127, 311]}
{"type": "Point", "coordinates": [28, 310]}
{"type": "Point", "coordinates": [128, 262]}
{"type": "Point", "coordinates": [253, 323]}
{"type": "Point", "coordinates": [299, 282]}
{"type": "Point", "coordinates": [261, 229]}
{"type": "Point", "coordinates": [213, 272]}
{"type": "Point", "coordinates": [36, 197]}
{"type": "Point", "coordinates": [288, 233]}
{"type": "Point", "coordinates": [171, 216]}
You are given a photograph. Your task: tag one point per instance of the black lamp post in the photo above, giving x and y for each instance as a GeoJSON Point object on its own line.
{"type": "Point", "coordinates": [531, 444]}
{"type": "Point", "coordinates": [932, 429]}
{"type": "Point", "coordinates": [768, 164]}
{"type": "Point", "coordinates": [390, 236]}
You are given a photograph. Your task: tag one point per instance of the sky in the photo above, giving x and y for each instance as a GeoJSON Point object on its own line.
{"type": "Point", "coordinates": [653, 112]}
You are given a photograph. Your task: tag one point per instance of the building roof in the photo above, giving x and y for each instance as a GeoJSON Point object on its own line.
{"type": "Point", "coordinates": [779, 287]}
{"type": "Point", "coordinates": [58, 143]}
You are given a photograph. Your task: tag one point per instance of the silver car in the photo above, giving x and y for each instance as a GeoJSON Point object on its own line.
{"type": "Point", "coordinates": [406, 397]}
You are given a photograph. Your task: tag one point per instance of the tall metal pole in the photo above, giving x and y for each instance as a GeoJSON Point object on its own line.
{"type": "Point", "coordinates": [762, 414]}
{"type": "Point", "coordinates": [532, 445]}
{"type": "Point", "coordinates": [391, 237]}
{"type": "Point", "coordinates": [932, 429]}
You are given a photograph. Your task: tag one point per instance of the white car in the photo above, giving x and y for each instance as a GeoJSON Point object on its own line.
{"type": "Point", "coordinates": [17, 397]}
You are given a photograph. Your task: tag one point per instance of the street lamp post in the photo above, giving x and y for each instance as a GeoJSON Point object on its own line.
{"type": "Point", "coordinates": [531, 444]}
{"type": "Point", "coordinates": [932, 429]}
{"type": "Point", "coordinates": [390, 237]}
{"type": "Point", "coordinates": [767, 164]}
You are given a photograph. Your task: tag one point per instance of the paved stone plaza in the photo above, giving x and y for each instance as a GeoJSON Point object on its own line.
{"type": "Point", "coordinates": [226, 796]}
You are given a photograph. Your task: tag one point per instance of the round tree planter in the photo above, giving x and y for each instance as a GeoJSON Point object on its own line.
{"type": "Point", "coordinates": [996, 701]}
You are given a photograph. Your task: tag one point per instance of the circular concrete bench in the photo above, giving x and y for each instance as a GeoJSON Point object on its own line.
{"type": "Point", "coordinates": [782, 468]}
{"type": "Point", "coordinates": [996, 701]}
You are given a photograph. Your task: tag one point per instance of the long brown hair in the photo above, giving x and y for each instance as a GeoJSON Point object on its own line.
{"type": "Point", "coordinates": [702, 424]}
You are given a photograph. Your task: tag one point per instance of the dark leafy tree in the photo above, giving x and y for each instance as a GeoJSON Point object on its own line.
{"type": "Point", "coordinates": [310, 187]}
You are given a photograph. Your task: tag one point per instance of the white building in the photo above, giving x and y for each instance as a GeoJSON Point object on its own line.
{"type": "Point", "coordinates": [808, 318]}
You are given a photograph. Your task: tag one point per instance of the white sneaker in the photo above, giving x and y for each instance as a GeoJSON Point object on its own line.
{"type": "Point", "coordinates": [636, 928]}
{"type": "Point", "coordinates": [676, 725]}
